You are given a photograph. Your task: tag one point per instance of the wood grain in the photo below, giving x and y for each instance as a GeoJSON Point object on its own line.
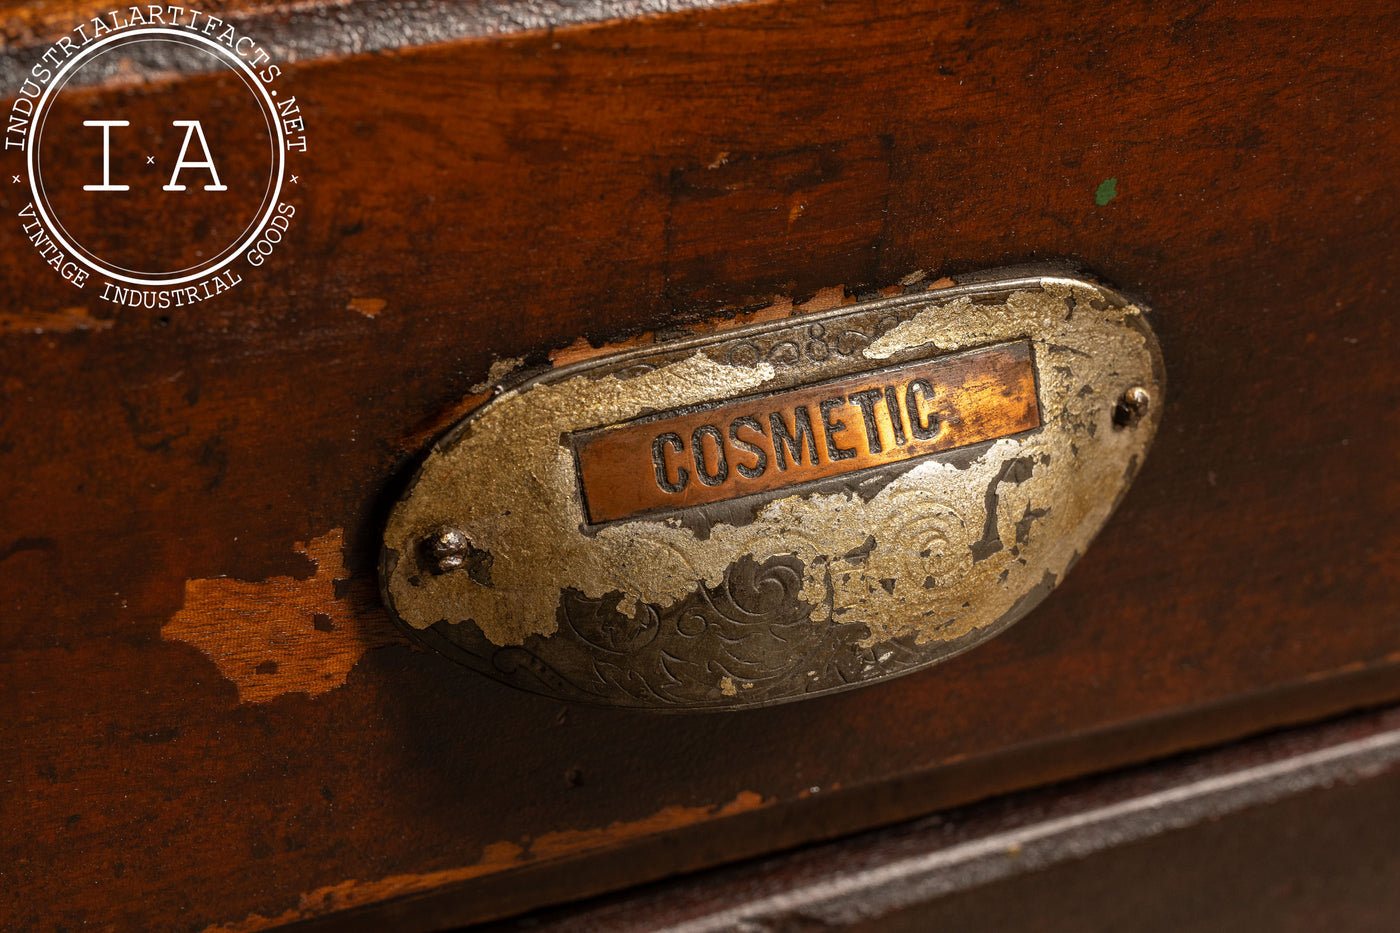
{"type": "Point", "coordinates": [505, 198]}
{"type": "Point", "coordinates": [286, 635]}
{"type": "Point", "coordinates": [1259, 835]}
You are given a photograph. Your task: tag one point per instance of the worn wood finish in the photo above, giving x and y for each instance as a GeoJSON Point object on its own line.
{"type": "Point", "coordinates": [1292, 831]}
{"type": "Point", "coordinates": [184, 753]}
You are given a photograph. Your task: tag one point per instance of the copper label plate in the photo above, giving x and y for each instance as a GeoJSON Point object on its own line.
{"type": "Point", "coordinates": [780, 510]}
{"type": "Point", "coordinates": [768, 442]}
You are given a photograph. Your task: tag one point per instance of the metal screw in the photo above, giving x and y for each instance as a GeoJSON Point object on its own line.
{"type": "Point", "coordinates": [446, 548]}
{"type": "Point", "coordinates": [1132, 406]}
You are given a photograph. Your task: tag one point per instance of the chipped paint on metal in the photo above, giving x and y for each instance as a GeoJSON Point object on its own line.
{"type": "Point", "coordinates": [527, 514]}
{"type": "Point", "coordinates": [945, 552]}
{"type": "Point", "coordinates": [497, 372]}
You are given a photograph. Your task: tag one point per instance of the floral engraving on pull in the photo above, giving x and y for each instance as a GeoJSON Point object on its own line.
{"type": "Point", "coordinates": [827, 577]}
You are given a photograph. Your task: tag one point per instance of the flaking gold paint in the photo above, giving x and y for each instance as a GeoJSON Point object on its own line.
{"type": "Point", "coordinates": [526, 511]}
{"type": "Point", "coordinates": [509, 484]}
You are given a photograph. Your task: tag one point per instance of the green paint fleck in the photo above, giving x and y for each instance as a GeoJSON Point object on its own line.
{"type": "Point", "coordinates": [1107, 192]}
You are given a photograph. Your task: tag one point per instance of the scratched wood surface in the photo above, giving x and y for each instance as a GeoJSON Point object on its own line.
{"type": "Point", "coordinates": [209, 723]}
{"type": "Point", "coordinates": [1293, 831]}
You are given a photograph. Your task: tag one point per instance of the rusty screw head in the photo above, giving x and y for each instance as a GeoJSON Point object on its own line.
{"type": "Point", "coordinates": [1131, 407]}
{"type": "Point", "coordinates": [446, 549]}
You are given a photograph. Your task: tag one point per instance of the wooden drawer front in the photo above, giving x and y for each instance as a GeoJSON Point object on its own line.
{"type": "Point", "coordinates": [211, 723]}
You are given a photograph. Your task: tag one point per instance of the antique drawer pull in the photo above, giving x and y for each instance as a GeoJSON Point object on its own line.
{"type": "Point", "coordinates": [784, 509]}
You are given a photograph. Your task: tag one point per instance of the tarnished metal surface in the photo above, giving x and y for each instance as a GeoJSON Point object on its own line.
{"type": "Point", "coordinates": [684, 459]}
{"type": "Point", "coordinates": [826, 578]}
